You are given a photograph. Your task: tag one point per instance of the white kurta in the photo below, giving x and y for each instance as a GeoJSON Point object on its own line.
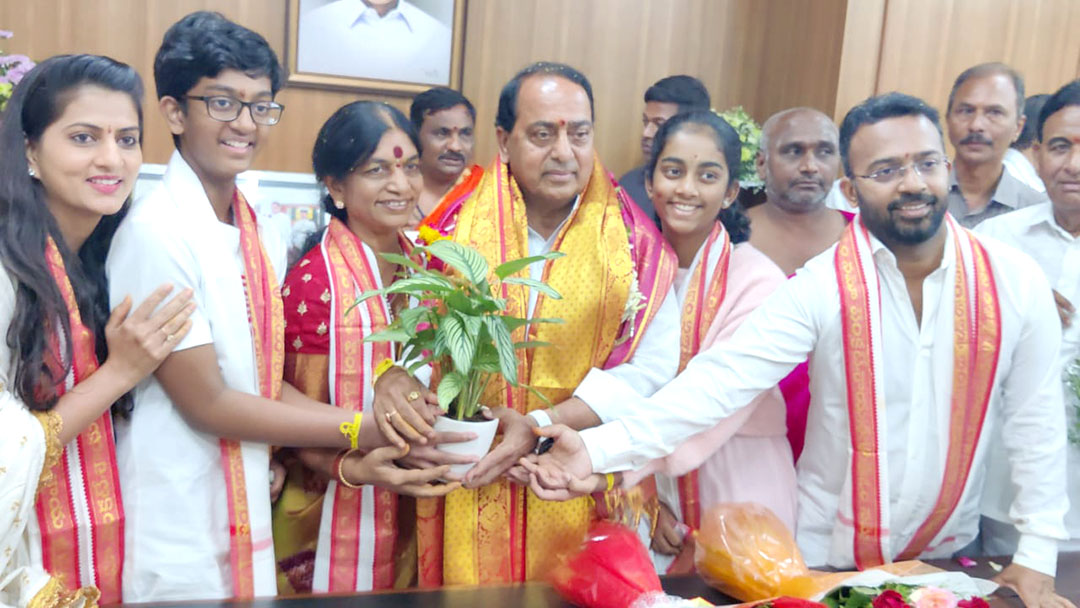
{"type": "Point", "coordinates": [22, 458]}
{"type": "Point", "coordinates": [803, 318]}
{"type": "Point", "coordinates": [177, 534]}
{"type": "Point", "coordinates": [1034, 231]}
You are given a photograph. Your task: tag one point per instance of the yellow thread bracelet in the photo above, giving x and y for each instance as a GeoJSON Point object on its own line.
{"type": "Point", "coordinates": [610, 478]}
{"type": "Point", "coordinates": [351, 430]}
{"type": "Point", "coordinates": [381, 369]}
{"type": "Point", "coordinates": [340, 473]}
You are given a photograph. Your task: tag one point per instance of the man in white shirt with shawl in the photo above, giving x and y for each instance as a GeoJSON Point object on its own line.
{"type": "Point", "coordinates": [895, 453]}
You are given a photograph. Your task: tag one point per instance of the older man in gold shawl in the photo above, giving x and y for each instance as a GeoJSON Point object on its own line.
{"type": "Point", "coordinates": [547, 191]}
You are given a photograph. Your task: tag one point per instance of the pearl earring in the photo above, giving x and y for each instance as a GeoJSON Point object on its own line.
{"type": "Point", "coordinates": [30, 172]}
{"type": "Point", "coordinates": [339, 204]}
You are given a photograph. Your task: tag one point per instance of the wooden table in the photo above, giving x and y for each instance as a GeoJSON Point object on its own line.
{"type": "Point", "coordinates": [540, 595]}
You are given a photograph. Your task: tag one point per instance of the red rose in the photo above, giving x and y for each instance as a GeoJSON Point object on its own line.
{"type": "Point", "coordinates": [890, 598]}
{"type": "Point", "coordinates": [973, 602]}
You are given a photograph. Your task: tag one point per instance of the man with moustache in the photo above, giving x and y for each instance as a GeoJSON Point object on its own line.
{"type": "Point", "coordinates": [446, 122]}
{"type": "Point", "coordinates": [985, 115]}
{"type": "Point", "coordinates": [1051, 235]}
{"type": "Point", "coordinates": [895, 452]}
{"type": "Point", "coordinates": [548, 192]}
{"type": "Point", "coordinates": [798, 161]}
{"type": "Point", "coordinates": [664, 99]}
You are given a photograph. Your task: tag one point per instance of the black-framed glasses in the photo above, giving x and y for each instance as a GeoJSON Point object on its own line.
{"type": "Point", "coordinates": [227, 109]}
{"type": "Point", "coordinates": [924, 168]}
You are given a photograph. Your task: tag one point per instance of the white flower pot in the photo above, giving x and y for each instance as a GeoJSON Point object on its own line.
{"type": "Point", "coordinates": [485, 434]}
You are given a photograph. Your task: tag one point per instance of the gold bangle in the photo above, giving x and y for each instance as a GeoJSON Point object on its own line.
{"type": "Point", "coordinates": [340, 470]}
{"type": "Point", "coordinates": [380, 369]}
{"type": "Point", "coordinates": [610, 478]}
{"type": "Point", "coordinates": [351, 430]}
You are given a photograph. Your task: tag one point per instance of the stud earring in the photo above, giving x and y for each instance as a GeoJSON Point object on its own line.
{"type": "Point", "coordinates": [30, 172]}
{"type": "Point", "coordinates": [339, 204]}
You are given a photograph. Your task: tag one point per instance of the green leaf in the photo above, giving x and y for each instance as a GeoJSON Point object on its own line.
{"type": "Point", "coordinates": [392, 333]}
{"type": "Point", "coordinates": [542, 396]}
{"type": "Point", "coordinates": [540, 286]}
{"type": "Point", "coordinates": [505, 347]}
{"type": "Point", "coordinates": [401, 260]}
{"type": "Point", "coordinates": [461, 343]}
{"type": "Point", "coordinates": [419, 284]}
{"type": "Point", "coordinates": [457, 300]}
{"type": "Point", "coordinates": [466, 260]}
{"type": "Point", "coordinates": [531, 344]}
{"type": "Point", "coordinates": [513, 266]}
{"type": "Point", "coordinates": [513, 323]}
{"type": "Point", "coordinates": [409, 318]}
{"type": "Point", "coordinates": [421, 363]}
{"type": "Point", "coordinates": [364, 296]}
{"type": "Point", "coordinates": [449, 388]}
{"type": "Point", "coordinates": [473, 325]}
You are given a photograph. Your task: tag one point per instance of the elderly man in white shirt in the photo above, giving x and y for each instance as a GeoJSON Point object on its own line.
{"type": "Point", "coordinates": [874, 313]}
{"type": "Point", "coordinates": [1049, 233]}
{"type": "Point", "coordinates": [382, 39]}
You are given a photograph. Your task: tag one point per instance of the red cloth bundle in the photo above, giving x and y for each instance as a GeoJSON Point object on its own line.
{"type": "Point", "coordinates": [611, 569]}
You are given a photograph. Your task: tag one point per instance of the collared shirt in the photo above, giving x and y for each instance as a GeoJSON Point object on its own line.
{"type": "Point", "coordinates": [803, 318]}
{"type": "Point", "coordinates": [1034, 231]}
{"type": "Point", "coordinates": [349, 38]}
{"type": "Point", "coordinates": [1010, 194]}
{"type": "Point", "coordinates": [1021, 168]}
{"type": "Point", "coordinates": [175, 499]}
{"type": "Point", "coordinates": [656, 358]}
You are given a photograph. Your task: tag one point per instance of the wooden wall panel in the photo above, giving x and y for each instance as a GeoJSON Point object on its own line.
{"type": "Point", "coordinates": [763, 54]}
{"type": "Point", "coordinates": [925, 44]}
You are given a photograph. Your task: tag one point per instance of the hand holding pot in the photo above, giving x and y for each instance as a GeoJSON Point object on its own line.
{"type": "Point", "coordinates": [429, 456]}
{"type": "Point", "coordinates": [404, 408]}
{"type": "Point", "coordinates": [377, 468]}
{"type": "Point", "coordinates": [517, 441]}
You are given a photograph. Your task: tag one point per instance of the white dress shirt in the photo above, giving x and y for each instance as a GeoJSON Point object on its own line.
{"type": "Point", "coordinates": [803, 318]}
{"type": "Point", "coordinates": [1034, 231]}
{"type": "Point", "coordinates": [656, 358]}
{"type": "Point", "coordinates": [348, 38]}
{"type": "Point", "coordinates": [1022, 169]}
{"type": "Point", "coordinates": [177, 531]}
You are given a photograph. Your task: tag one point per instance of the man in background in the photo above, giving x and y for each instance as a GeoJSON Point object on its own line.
{"type": "Point", "coordinates": [446, 122]}
{"type": "Point", "coordinates": [664, 99]}
{"type": "Point", "coordinates": [1049, 234]}
{"type": "Point", "coordinates": [984, 116]}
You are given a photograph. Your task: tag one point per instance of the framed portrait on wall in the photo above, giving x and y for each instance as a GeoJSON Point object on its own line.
{"type": "Point", "coordinates": [382, 46]}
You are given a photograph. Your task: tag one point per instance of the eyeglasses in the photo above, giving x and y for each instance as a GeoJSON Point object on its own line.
{"type": "Point", "coordinates": [924, 168]}
{"type": "Point", "coordinates": [227, 109]}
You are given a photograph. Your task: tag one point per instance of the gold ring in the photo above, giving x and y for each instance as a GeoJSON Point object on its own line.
{"type": "Point", "coordinates": [413, 396]}
{"type": "Point", "coordinates": [169, 338]}
{"type": "Point", "coordinates": [390, 415]}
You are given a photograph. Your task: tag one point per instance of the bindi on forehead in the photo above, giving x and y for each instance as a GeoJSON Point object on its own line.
{"type": "Point", "coordinates": [398, 152]}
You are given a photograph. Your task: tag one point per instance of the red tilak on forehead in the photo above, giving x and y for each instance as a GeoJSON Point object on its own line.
{"type": "Point", "coordinates": [398, 152]}
{"type": "Point", "coordinates": [562, 123]}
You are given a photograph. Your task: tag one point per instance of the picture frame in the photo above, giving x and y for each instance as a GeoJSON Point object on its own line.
{"type": "Point", "coordinates": [415, 45]}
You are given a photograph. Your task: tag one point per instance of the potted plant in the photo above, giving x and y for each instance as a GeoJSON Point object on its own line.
{"type": "Point", "coordinates": [461, 327]}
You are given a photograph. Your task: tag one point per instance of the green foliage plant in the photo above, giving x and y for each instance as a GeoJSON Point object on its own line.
{"type": "Point", "coordinates": [459, 323]}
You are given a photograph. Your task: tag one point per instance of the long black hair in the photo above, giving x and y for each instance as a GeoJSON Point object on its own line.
{"type": "Point", "coordinates": [727, 141]}
{"type": "Point", "coordinates": [25, 222]}
{"type": "Point", "coordinates": [347, 140]}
